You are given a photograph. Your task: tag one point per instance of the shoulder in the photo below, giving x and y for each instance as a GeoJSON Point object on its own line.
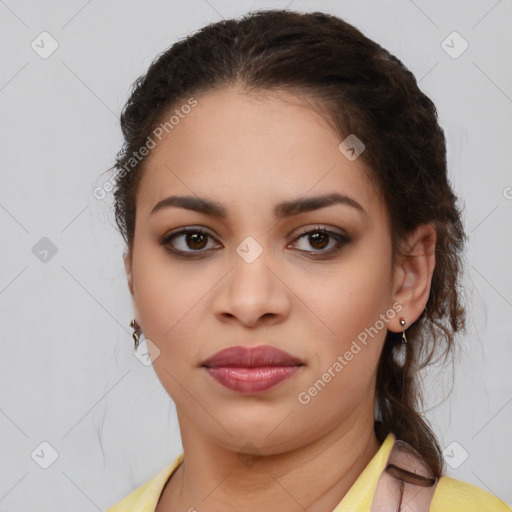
{"type": "Point", "coordinates": [133, 501]}
{"type": "Point", "coordinates": [144, 498]}
{"type": "Point", "coordinates": [137, 500]}
{"type": "Point", "coordinates": [454, 495]}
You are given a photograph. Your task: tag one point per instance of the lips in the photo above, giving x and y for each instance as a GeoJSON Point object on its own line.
{"type": "Point", "coordinates": [252, 370]}
{"type": "Point", "coordinates": [251, 357]}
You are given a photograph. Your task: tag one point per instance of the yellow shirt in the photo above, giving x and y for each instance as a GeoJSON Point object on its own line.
{"type": "Point", "coordinates": [451, 495]}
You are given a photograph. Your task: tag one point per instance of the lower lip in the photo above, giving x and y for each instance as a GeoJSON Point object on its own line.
{"type": "Point", "coordinates": [252, 380]}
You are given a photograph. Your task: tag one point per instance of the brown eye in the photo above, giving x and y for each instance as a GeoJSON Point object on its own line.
{"type": "Point", "coordinates": [193, 242]}
{"type": "Point", "coordinates": [187, 240]}
{"type": "Point", "coordinates": [320, 238]}
{"type": "Point", "coordinates": [196, 239]}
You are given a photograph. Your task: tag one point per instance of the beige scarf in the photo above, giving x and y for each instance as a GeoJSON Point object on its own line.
{"type": "Point", "coordinates": [406, 485]}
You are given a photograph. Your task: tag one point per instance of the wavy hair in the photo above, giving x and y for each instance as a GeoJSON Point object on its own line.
{"type": "Point", "coordinates": [361, 89]}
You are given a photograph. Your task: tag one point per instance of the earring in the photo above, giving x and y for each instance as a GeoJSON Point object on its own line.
{"type": "Point", "coordinates": [137, 332]}
{"type": "Point", "coordinates": [402, 323]}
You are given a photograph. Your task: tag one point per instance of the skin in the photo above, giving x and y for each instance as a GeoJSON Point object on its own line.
{"type": "Point", "coordinates": [249, 153]}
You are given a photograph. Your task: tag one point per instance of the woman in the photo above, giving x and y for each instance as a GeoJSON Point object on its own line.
{"type": "Point", "coordinates": [293, 256]}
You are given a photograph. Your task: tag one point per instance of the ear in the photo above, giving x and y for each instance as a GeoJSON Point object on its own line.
{"type": "Point", "coordinates": [127, 259]}
{"type": "Point", "coordinates": [413, 275]}
{"type": "Point", "coordinates": [128, 266]}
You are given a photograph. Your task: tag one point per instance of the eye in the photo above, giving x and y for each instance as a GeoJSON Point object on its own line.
{"type": "Point", "coordinates": [319, 238]}
{"type": "Point", "coordinates": [193, 242]}
{"type": "Point", "coordinates": [192, 238]}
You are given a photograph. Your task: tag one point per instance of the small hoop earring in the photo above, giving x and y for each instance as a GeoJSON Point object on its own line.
{"type": "Point", "coordinates": [404, 338]}
{"type": "Point", "coordinates": [137, 332]}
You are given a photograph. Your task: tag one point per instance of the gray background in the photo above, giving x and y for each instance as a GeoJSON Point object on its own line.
{"type": "Point", "coordinates": [68, 376]}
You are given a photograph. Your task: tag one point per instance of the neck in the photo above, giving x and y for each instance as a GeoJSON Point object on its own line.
{"type": "Point", "coordinates": [314, 477]}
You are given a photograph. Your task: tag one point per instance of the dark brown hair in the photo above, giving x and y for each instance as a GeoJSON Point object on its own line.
{"type": "Point", "coordinates": [362, 89]}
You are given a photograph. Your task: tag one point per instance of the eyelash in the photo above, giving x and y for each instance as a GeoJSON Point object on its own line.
{"type": "Point", "coordinates": [341, 240]}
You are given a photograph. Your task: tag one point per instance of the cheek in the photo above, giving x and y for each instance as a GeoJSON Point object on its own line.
{"type": "Point", "coordinates": [168, 296]}
{"type": "Point", "coordinates": [347, 355]}
{"type": "Point", "coordinates": [347, 300]}
{"type": "Point", "coordinates": [347, 311]}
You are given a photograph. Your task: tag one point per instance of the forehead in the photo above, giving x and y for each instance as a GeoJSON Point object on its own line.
{"type": "Point", "coordinates": [248, 148]}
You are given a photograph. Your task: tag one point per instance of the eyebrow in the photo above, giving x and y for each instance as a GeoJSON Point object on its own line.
{"type": "Point", "coordinates": [281, 210]}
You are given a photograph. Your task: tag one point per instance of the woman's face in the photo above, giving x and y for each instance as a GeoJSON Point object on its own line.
{"type": "Point", "coordinates": [255, 278]}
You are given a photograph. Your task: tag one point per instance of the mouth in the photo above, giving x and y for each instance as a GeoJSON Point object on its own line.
{"type": "Point", "coordinates": [251, 357]}
{"type": "Point", "coordinates": [252, 370]}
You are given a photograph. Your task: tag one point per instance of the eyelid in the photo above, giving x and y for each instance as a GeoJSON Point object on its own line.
{"type": "Point", "coordinates": [319, 227]}
{"type": "Point", "coordinates": [204, 230]}
{"type": "Point", "coordinates": [183, 230]}
{"type": "Point", "coordinates": [187, 227]}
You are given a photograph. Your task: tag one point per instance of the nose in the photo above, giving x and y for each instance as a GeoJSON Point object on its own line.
{"type": "Point", "coordinates": [253, 293]}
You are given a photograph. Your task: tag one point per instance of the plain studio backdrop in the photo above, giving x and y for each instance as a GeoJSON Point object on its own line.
{"type": "Point", "coordinates": [82, 421]}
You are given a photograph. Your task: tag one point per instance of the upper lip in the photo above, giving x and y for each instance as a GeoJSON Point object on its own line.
{"type": "Point", "coordinates": [249, 357]}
